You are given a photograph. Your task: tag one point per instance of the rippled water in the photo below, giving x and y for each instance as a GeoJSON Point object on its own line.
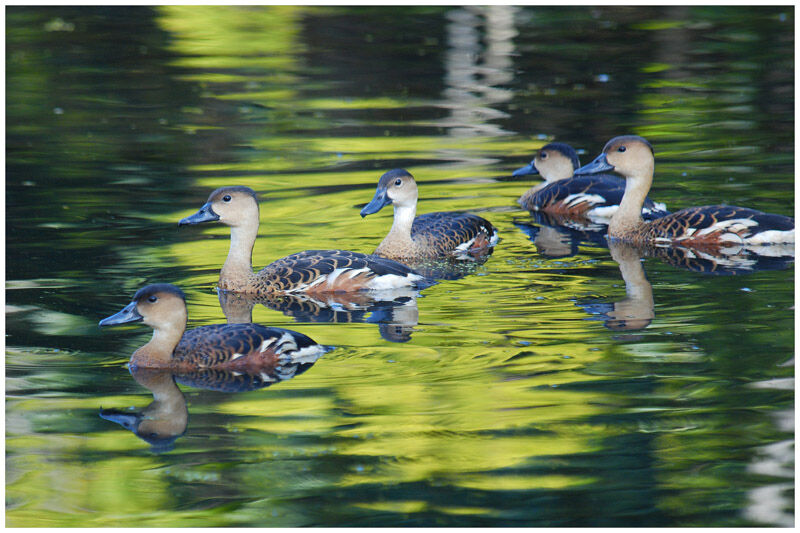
{"type": "Point", "coordinates": [516, 394]}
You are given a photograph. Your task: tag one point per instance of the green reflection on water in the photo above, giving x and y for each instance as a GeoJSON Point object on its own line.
{"type": "Point", "coordinates": [513, 403]}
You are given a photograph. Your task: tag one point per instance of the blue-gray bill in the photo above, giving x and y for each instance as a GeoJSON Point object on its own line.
{"type": "Point", "coordinates": [600, 164]}
{"type": "Point", "coordinates": [524, 171]}
{"type": "Point", "coordinates": [205, 214]}
{"type": "Point", "coordinates": [379, 201]}
{"type": "Point", "coordinates": [128, 314]}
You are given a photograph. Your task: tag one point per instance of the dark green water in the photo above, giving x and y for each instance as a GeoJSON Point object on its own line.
{"type": "Point", "coordinates": [516, 399]}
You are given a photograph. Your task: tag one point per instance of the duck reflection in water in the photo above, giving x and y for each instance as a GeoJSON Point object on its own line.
{"type": "Point", "coordinates": [165, 420]}
{"type": "Point", "coordinates": [637, 310]}
{"type": "Point", "coordinates": [557, 237]}
{"type": "Point", "coordinates": [161, 422]}
{"type": "Point", "coordinates": [395, 311]}
{"type": "Point", "coordinates": [729, 261]}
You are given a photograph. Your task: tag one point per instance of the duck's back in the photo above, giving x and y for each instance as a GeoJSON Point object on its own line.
{"type": "Point", "coordinates": [335, 271]}
{"type": "Point", "coordinates": [443, 233]}
{"type": "Point", "coordinates": [243, 346]}
{"type": "Point", "coordinates": [714, 224]}
{"type": "Point", "coordinates": [596, 194]}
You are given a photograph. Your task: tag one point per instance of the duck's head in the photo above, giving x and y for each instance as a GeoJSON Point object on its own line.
{"type": "Point", "coordinates": [395, 187]}
{"type": "Point", "coordinates": [628, 155]}
{"type": "Point", "coordinates": [160, 305]}
{"type": "Point", "coordinates": [554, 161]}
{"type": "Point", "coordinates": [233, 206]}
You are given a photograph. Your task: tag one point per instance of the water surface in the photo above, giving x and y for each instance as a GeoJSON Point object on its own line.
{"type": "Point", "coordinates": [515, 396]}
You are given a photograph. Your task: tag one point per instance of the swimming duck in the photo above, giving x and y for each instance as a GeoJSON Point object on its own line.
{"type": "Point", "coordinates": [245, 347]}
{"type": "Point", "coordinates": [428, 236]}
{"type": "Point", "coordinates": [710, 225]}
{"type": "Point", "coordinates": [309, 272]}
{"type": "Point", "coordinates": [564, 193]}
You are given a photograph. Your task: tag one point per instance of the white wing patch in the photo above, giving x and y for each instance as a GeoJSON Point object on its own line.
{"type": "Point", "coordinates": [606, 211]}
{"type": "Point", "coordinates": [393, 281]}
{"type": "Point", "coordinates": [464, 246]}
{"type": "Point", "coordinates": [772, 236]}
{"type": "Point", "coordinates": [733, 225]}
{"type": "Point", "coordinates": [265, 345]}
{"type": "Point", "coordinates": [575, 199]}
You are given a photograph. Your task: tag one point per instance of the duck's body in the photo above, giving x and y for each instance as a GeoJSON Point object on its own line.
{"type": "Point", "coordinates": [311, 271]}
{"type": "Point", "coordinates": [566, 194]}
{"type": "Point", "coordinates": [711, 225]}
{"type": "Point", "coordinates": [315, 272]}
{"type": "Point", "coordinates": [244, 347]}
{"type": "Point", "coordinates": [429, 236]}
{"type": "Point", "coordinates": [704, 226]}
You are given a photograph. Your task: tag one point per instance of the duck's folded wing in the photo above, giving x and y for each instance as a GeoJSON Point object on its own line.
{"type": "Point", "coordinates": [337, 270]}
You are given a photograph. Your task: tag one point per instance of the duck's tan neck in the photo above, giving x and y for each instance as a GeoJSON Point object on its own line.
{"type": "Point", "coordinates": [238, 268]}
{"type": "Point", "coordinates": [629, 215]}
{"type": "Point", "coordinates": [399, 236]}
{"type": "Point", "coordinates": [158, 352]}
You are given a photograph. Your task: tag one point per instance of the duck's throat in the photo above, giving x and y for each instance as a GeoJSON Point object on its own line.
{"type": "Point", "coordinates": [158, 352]}
{"type": "Point", "coordinates": [629, 215]}
{"type": "Point", "coordinates": [238, 267]}
{"type": "Point", "coordinates": [399, 236]}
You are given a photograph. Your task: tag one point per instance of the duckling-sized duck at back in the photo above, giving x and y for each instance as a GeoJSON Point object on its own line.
{"type": "Point", "coordinates": [705, 226]}
{"type": "Point", "coordinates": [310, 272]}
{"type": "Point", "coordinates": [428, 236]}
{"type": "Point", "coordinates": [564, 193]}
{"type": "Point", "coordinates": [244, 347]}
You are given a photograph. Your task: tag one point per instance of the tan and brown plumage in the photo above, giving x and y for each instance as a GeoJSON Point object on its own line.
{"type": "Point", "coordinates": [706, 226]}
{"type": "Point", "coordinates": [432, 235]}
{"type": "Point", "coordinates": [311, 271]}
{"type": "Point", "coordinates": [563, 193]}
{"type": "Point", "coordinates": [237, 347]}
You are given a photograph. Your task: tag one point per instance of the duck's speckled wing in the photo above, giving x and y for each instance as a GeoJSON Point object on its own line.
{"type": "Point", "coordinates": [580, 194]}
{"type": "Point", "coordinates": [240, 346]}
{"type": "Point", "coordinates": [446, 232]}
{"type": "Point", "coordinates": [710, 223]}
{"type": "Point", "coordinates": [336, 270]}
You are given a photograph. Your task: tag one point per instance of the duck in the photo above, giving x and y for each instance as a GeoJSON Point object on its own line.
{"type": "Point", "coordinates": [565, 193]}
{"type": "Point", "coordinates": [311, 272]}
{"type": "Point", "coordinates": [247, 348]}
{"type": "Point", "coordinates": [716, 226]}
{"type": "Point", "coordinates": [429, 236]}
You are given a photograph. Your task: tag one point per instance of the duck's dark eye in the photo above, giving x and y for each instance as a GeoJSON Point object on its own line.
{"type": "Point", "coordinates": [153, 299]}
{"type": "Point", "coordinates": [621, 149]}
{"type": "Point", "coordinates": [398, 182]}
{"type": "Point", "coordinates": [543, 155]}
{"type": "Point", "coordinates": [226, 198]}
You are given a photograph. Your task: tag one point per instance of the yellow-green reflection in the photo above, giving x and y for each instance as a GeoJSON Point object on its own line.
{"type": "Point", "coordinates": [514, 401]}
